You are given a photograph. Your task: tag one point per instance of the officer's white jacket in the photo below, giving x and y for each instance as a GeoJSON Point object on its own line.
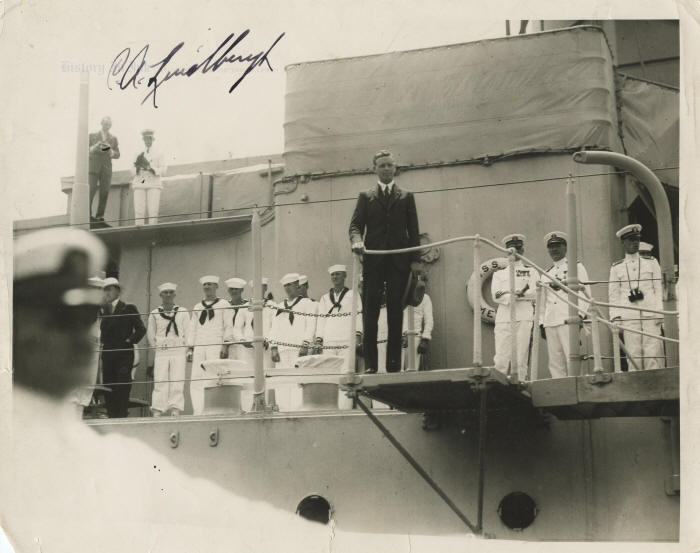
{"type": "Point", "coordinates": [635, 271]}
{"type": "Point", "coordinates": [303, 327]}
{"type": "Point", "coordinates": [146, 179]}
{"type": "Point", "coordinates": [422, 318]}
{"type": "Point", "coordinates": [157, 326]}
{"type": "Point", "coordinates": [337, 328]}
{"type": "Point", "coordinates": [524, 307]}
{"type": "Point", "coordinates": [213, 330]}
{"type": "Point", "coordinates": [556, 310]}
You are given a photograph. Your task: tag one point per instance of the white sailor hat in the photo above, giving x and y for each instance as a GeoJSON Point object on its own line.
{"type": "Point", "coordinates": [52, 266]}
{"type": "Point", "coordinates": [646, 247]}
{"type": "Point", "coordinates": [556, 236]}
{"type": "Point", "coordinates": [337, 269]}
{"type": "Point", "coordinates": [509, 238]}
{"type": "Point", "coordinates": [303, 279]}
{"type": "Point", "coordinates": [147, 132]}
{"type": "Point", "coordinates": [96, 282]}
{"type": "Point", "coordinates": [167, 286]}
{"type": "Point", "coordinates": [289, 277]}
{"type": "Point", "coordinates": [209, 278]}
{"type": "Point", "coordinates": [235, 283]}
{"type": "Point", "coordinates": [629, 231]}
{"type": "Point", "coordinates": [264, 280]}
{"type": "Point", "coordinates": [111, 281]}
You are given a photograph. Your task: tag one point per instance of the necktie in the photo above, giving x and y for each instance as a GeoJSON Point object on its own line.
{"type": "Point", "coordinates": [336, 304]}
{"type": "Point", "coordinates": [235, 310]}
{"type": "Point", "coordinates": [172, 324]}
{"type": "Point", "coordinates": [207, 312]}
{"type": "Point", "coordinates": [288, 308]}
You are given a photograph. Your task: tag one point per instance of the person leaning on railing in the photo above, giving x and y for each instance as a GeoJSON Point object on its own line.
{"type": "Point", "coordinates": [635, 281]}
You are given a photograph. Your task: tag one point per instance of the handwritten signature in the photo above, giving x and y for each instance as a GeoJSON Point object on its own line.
{"type": "Point", "coordinates": [127, 71]}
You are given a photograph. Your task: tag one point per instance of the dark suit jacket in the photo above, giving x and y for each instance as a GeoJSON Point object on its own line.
{"type": "Point", "coordinates": [98, 160]}
{"type": "Point", "coordinates": [121, 332]}
{"type": "Point", "coordinates": [386, 225]}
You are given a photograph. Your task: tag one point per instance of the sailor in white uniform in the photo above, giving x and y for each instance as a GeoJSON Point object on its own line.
{"type": "Point", "coordinates": [635, 281]}
{"type": "Point", "coordinates": [556, 310]}
{"type": "Point", "coordinates": [150, 168]}
{"type": "Point", "coordinates": [423, 326]}
{"type": "Point", "coordinates": [525, 292]}
{"type": "Point", "coordinates": [167, 331]}
{"type": "Point", "coordinates": [209, 323]}
{"type": "Point", "coordinates": [335, 331]}
{"type": "Point", "coordinates": [237, 314]}
{"type": "Point", "coordinates": [292, 328]}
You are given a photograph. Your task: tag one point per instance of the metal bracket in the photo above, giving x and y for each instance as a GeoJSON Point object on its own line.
{"type": "Point", "coordinates": [600, 378]}
{"type": "Point", "coordinates": [174, 439]}
{"type": "Point", "coordinates": [214, 438]}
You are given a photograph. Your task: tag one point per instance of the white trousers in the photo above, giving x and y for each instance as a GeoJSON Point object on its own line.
{"type": "Point", "coordinates": [502, 359]}
{"type": "Point", "coordinates": [558, 350]}
{"type": "Point", "coordinates": [146, 197]}
{"type": "Point", "coordinates": [166, 367]}
{"type": "Point", "coordinates": [647, 352]}
{"type": "Point", "coordinates": [201, 353]}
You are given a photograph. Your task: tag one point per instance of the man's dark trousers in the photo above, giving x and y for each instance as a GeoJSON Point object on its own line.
{"type": "Point", "coordinates": [372, 289]}
{"type": "Point", "coordinates": [102, 179]}
{"type": "Point", "coordinates": [116, 374]}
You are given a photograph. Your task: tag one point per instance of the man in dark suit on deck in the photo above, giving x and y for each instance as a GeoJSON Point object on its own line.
{"type": "Point", "coordinates": [386, 217]}
{"type": "Point", "coordinates": [121, 329]}
{"type": "Point", "coordinates": [104, 147]}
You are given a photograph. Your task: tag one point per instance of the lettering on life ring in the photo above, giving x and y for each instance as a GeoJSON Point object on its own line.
{"type": "Point", "coordinates": [476, 283]}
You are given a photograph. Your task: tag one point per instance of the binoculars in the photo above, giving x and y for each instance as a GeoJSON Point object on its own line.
{"type": "Point", "coordinates": [636, 295]}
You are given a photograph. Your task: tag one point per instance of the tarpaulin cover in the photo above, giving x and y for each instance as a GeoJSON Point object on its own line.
{"type": "Point", "coordinates": [649, 120]}
{"type": "Point", "coordinates": [242, 188]}
{"type": "Point", "coordinates": [540, 92]}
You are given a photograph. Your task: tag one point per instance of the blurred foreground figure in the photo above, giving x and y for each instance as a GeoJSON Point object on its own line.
{"type": "Point", "coordinates": [64, 487]}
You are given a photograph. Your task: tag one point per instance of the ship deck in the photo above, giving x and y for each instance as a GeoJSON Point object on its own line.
{"type": "Point", "coordinates": [628, 394]}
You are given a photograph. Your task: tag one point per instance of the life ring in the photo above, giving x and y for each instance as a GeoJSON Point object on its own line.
{"type": "Point", "coordinates": [477, 283]}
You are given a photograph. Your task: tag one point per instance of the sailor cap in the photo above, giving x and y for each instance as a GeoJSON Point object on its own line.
{"type": "Point", "coordinates": [235, 283]}
{"type": "Point", "coordinates": [52, 266]}
{"type": "Point", "coordinates": [147, 132]}
{"type": "Point", "coordinates": [303, 279]}
{"type": "Point", "coordinates": [556, 236]}
{"type": "Point", "coordinates": [111, 281]}
{"type": "Point", "coordinates": [209, 278]}
{"type": "Point", "coordinates": [264, 280]}
{"type": "Point", "coordinates": [646, 247]}
{"type": "Point", "coordinates": [167, 286]}
{"type": "Point", "coordinates": [96, 282]}
{"type": "Point", "coordinates": [629, 231]}
{"type": "Point", "coordinates": [289, 278]}
{"type": "Point", "coordinates": [337, 269]}
{"type": "Point", "coordinates": [509, 238]}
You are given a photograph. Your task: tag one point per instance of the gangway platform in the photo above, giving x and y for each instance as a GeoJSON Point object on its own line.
{"type": "Point", "coordinates": [627, 394]}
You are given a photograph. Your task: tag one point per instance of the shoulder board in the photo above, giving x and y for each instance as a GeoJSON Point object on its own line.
{"type": "Point", "coordinates": [618, 261]}
{"type": "Point", "coordinates": [646, 255]}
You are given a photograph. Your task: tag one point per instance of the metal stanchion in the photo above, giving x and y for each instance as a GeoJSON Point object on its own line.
{"type": "Point", "coordinates": [595, 335]}
{"type": "Point", "coordinates": [513, 368]}
{"type": "Point", "coordinates": [476, 302]}
{"type": "Point", "coordinates": [350, 369]}
{"type": "Point", "coordinates": [535, 358]}
{"type": "Point", "coordinates": [256, 307]}
{"type": "Point", "coordinates": [616, 349]}
{"type": "Point", "coordinates": [411, 339]}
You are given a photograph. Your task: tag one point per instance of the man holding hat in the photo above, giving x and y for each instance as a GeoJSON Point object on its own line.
{"type": "Point", "coordinates": [120, 330]}
{"type": "Point", "coordinates": [293, 323]}
{"type": "Point", "coordinates": [167, 333]}
{"type": "Point", "coordinates": [385, 218]}
{"type": "Point", "coordinates": [635, 281]}
{"type": "Point", "coordinates": [146, 186]}
{"type": "Point", "coordinates": [524, 297]}
{"type": "Point", "coordinates": [209, 324]}
{"type": "Point", "coordinates": [335, 331]}
{"type": "Point", "coordinates": [237, 314]}
{"type": "Point", "coordinates": [555, 313]}
{"type": "Point", "coordinates": [104, 147]}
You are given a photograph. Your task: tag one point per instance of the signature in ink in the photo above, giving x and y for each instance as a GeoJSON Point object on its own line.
{"type": "Point", "coordinates": [136, 72]}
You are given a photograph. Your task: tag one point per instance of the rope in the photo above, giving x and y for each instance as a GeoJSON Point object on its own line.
{"type": "Point", "coordinates": [220, 377]}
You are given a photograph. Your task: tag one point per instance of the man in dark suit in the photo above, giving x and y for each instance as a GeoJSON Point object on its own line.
{"type": "Point", "coordinates": [104, 147]}
{"type": "Point", "coordinates": [119, 333]}
{"type": "Point", "coordinates": [386, 217]}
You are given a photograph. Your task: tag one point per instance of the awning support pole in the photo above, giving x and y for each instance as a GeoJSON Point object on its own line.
{"type": "Point", "coordinates": [389, 436]}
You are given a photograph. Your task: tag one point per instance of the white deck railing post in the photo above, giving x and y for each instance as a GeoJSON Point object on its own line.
{"type": "Point", "coordinates": [256, 308]}
{"type": "Point", "coordinates": [617, 363]}
{"type": "Point", "coordinates": [476, 302]}
{"type": "Point", "coordinates": [535, 357]}
{"type": "Point", "coordinates": [350, 369]}
{"type": "Point", "coordinates": [595, 335]}
{"type": "Point", "coordinates": [513, 369]}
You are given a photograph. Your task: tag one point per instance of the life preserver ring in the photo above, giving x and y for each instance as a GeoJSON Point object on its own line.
{"type": "Point", "coordinates": [476, 284]}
